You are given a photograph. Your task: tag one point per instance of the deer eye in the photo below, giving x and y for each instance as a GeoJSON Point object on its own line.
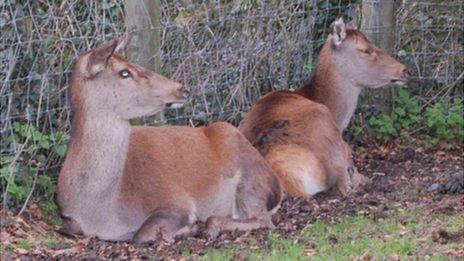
{"type": "Point", "coordinates": [125, 74]}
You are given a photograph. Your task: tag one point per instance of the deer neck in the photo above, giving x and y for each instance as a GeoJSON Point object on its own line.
{"type": "Point", "coordinates": [97, 152]}
{"type": "Point", "coordinates": [335, 89]}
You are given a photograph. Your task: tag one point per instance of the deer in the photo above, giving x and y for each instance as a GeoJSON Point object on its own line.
{"type": "Point", "coordinates": [140, 183]}
{"type": "Point", "coordinates": [347, 64]}
{"type": "Point", "coordinates": [300, 132]}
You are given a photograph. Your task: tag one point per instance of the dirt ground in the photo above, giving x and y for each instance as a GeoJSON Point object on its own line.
{"type": "Point", "coordinates": [401, 177]}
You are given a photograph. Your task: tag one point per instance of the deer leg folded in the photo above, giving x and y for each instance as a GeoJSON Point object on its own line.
{"type": "Point", "coordinates": [71, 227]}
{"type": "Point", "coordinates": [163, 224]}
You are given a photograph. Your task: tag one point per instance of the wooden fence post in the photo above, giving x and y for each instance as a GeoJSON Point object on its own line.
{"type": "Point", "coordinates": [378, 23]}
{"type": "Point", "coordinates": [143, 21]}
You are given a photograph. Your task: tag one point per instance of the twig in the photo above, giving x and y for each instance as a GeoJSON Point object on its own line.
{"type": "Point", "coordinates": [10, 173]}
{"type": "Point", "coordinates": [445, 89]}
{"type": "Point", "coordinates": [30, 191]}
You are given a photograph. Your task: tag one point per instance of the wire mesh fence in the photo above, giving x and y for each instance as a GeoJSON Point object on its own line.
{"type": "Point", "coordinates": [429, 38]}
{"type": "Point", "coordinates": [228, 53]}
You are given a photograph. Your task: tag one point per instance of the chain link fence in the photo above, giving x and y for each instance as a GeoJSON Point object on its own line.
{"type": "Point", "coordinates": [228, 53]}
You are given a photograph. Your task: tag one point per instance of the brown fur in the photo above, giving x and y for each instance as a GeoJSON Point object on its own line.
{"type": "Point", "coordinates": [343, 71]}
{"type": "Point", "coordinates": [306, 146]}
{"type": "Point", "coordinates": [299, 133]}
{"type": "Point", "coordinates": [120, 182]}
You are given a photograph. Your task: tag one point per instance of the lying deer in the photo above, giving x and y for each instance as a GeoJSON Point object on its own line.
{"type": "Point", "coordinates": [121, 182]}
{"type": "Point", "coordinates": [299, 133]}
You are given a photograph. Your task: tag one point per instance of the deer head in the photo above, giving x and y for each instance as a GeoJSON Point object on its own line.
{"type": "Point", "coordinates": [362, 62]}
{"type": "Point", "coordinates": [108, 83]}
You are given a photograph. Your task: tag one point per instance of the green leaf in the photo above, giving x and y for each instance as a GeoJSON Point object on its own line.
{"type": "Point", "coordinates": [6, 159]}
{"type": "Point", "coordinates": [45, 144]}
{"type": "Point", "coordinates": [400, 111]}
{"type": "Point", "coordinates": [36, 135]}
{"type": "Point", "coordinates": [8, 170]}
{"type": "Point", "coordinates": [403, 94]}
{"type": "Point", "coordinates": [61, 150]}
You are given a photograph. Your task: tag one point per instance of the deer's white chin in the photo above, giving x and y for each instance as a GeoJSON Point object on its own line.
{"type": "Point", "coordinates": [398, 82]}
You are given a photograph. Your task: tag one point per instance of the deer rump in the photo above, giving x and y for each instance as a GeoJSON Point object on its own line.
{"type": "Point", "coordinates": [301, 142]}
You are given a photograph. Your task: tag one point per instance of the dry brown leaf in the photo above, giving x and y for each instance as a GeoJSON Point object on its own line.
{"type": "Point", "coordinates": [36, 211]}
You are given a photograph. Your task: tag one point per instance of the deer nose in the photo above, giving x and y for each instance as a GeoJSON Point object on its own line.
{"type": "Point", "coordinates": [184, 92]}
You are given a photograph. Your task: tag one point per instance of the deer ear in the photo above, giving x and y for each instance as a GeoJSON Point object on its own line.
{"type": "Point", "coordinates": [98, 57]}
{"type": "Point", "coordinates": [352, 25]}
{"type": "Point", "coordinates": [338, 31]}
{"type": "Point", "coordinates": [122, 42]}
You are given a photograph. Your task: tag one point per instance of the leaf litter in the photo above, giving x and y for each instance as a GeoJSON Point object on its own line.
{"type": "Point", "coordinates": [401, 178]}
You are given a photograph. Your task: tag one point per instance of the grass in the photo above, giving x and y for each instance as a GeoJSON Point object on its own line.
{"type": "Point", "coordinates": [281, 249]}
{"type": "Point", "coordinates": [403, 234]}
{"type": "Point", "coordinates": [360, 235]}
{"type": "Point", "coordinates": [52, 242]}
{"type": "Point", "coordinates": [26, 245]}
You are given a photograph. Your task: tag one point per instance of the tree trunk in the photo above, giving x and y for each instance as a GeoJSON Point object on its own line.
{"type": "Point", "coordinates": [143, 21]}
{"type": "Point", "coordinates": [377, 23]}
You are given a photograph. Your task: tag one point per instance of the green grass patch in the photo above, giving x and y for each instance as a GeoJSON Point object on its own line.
{"type": "Point", "coordinates": [281, 249]}
{"type": "Point", "coordinates": [359, 235]}
{"type": "Point", "coordinates": [26, 245]}
{"type": "Point", "coordinates": [52, 242]}
{"type": "Point", "coordinates": [404, 234]}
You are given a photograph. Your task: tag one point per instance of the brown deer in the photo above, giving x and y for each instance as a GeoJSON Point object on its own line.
{"type": "Point", "coordinates": [348, 63]}
{"type": "Point", "coordinates": [120, 182]}
{"type": "Point", "coordinates": [299, 133]}
{"type": "Point", "coordinates": [302, 143]}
